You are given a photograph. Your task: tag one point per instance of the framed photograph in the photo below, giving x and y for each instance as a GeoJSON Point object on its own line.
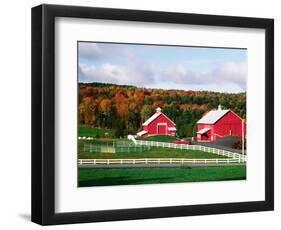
{"type": "Point", "coordinates": [143, 114]}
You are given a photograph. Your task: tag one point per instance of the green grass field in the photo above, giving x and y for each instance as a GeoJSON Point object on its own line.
{"type": "Point", "coordinates": [93, 132]}
{"type": "Point", "coordinates": [133, 176]}
{"type": "Point", "coordinates": [154, 152]}
{"type": "Point", "coordinates": [160, 138]}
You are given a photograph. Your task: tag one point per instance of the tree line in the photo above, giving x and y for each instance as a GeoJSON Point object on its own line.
{"type": "Point", "coordinates": [124, 108]}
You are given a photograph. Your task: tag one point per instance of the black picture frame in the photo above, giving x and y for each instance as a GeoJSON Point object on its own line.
{"type": "Point", "coordinates": [43, 114]}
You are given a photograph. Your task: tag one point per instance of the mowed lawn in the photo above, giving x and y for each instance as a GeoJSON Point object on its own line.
{"type": "Point", "coordinates": [160, 138]}
{"type": "Point", "coordinates": [93, 132]}
{"type": "Point", "coordinates": [134, 176]}
{"type": "Point", "coordinates": [154, 152]}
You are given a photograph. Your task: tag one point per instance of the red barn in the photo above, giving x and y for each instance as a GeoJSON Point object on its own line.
{"type": "Point", "coordinates": [158, 124]}
{"type": "Point", "coordinates": [219, 123]}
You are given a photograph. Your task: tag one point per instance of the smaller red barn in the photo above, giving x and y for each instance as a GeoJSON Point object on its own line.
{"type": "Point", "coordinates": [158, 124]}
{"type": "Point", "coordinates": [220, 123]}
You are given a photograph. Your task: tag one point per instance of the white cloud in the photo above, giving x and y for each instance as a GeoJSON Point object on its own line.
{"type": "Point", "coordinates": [228, 77]}
{"type": "Point", "coordinates": [228, 73]}
{"type": "Point", "coordinates": [94, 51]}
{"type": "Point", "coordinates": [108, 73]}
{"type": "Point", "coordinates": [122, 65]}
{"type": "Point", "coordinates": [232, 72]}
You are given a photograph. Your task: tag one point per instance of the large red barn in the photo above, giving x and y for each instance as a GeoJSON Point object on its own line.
{"type": "Point", "coordinates": [220, 123]}
{"type": "Point", "coordinates": [158, 124]}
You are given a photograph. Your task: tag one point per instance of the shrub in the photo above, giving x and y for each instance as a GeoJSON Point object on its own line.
{"type": "Point", "coordinates": [238, 144]}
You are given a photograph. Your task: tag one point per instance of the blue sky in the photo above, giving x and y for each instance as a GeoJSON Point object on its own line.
{"type": "Point", "coordinates": [169, 67]}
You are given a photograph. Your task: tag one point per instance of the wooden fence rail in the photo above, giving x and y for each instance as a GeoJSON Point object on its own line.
{"type": "Point", "coordinates": [221, 152]}
{"type": "Point", "coordinates": [182, 161]}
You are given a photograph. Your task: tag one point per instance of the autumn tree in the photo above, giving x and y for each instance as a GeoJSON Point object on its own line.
{"type": "Point", "coordinates": [105, 111]}
{"type": "Point", "coordinates": [124, 108]}
{"type": "Point", "coordinates": [87, 110]}
{"type": "Point", "coordinates": [139, 97]}
{"type": "Point", "coordinates": [146, 112]}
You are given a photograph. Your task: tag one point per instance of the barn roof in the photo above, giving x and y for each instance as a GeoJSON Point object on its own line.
{"type": "Point", "coordinates": [154, 116]}
{"type": "Point", "coordinates": [212, 117]}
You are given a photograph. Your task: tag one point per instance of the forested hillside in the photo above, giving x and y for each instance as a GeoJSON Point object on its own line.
{"type": "Point", "coordinates": [124, 108]}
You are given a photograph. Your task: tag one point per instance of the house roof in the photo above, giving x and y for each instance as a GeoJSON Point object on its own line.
{"type": "Point", "coordinates": [172, 129]}
{"type": "Point", "coordinates": [212, 117]}
{"type": "Point", "coordinates": [202, 131]}
{"type": "Point", "coordinates": [155, 115]}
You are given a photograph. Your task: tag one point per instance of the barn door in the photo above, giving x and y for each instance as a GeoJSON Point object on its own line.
{"type": "Point", "coordinates": [162, 129]}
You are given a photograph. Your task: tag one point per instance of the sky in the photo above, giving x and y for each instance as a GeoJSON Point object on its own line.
{"type": "Point", "coordinates": [165, 67]}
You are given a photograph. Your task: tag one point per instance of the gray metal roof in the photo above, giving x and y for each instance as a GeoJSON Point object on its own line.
{"type": "Point", "coordinates": [212, 117]}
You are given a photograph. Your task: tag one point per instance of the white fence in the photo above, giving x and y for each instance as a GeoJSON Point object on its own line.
{"type": "Point", "coordinates": [158, 161]}
{"type": "Point", "coordinates": [242, 158]}
{"type": "Point", "coordinates": [118, 147]}
{"type": "Point", "coordinates": [233, 158]}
